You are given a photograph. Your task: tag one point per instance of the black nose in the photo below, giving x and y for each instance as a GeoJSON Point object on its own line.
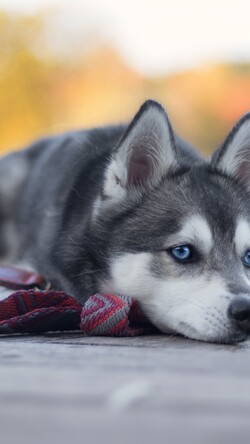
{"type": "Point", "coordinates": [239, 309]}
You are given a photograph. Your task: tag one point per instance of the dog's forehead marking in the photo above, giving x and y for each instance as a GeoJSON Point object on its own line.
{"type": "Point", "coordinates": [197, 228]}
{"type": "Point", "coordinates": [242, 236]}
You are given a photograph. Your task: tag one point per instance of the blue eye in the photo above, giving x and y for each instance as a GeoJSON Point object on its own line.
{"type": "Point", "coordinates": [247, 258]}
{"type": "Point", "coordinates": [183, 253]}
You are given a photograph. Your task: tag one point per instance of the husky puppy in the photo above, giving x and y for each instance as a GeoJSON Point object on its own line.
{"type": "Point", "coordinates": [135, 210]}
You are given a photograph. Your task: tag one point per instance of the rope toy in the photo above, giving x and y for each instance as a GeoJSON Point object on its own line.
{"type": "Point", "coordinates": [33, 309]}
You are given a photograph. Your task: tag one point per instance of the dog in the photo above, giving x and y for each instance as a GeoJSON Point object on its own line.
{"type": "Point", "coordinates": [136, 210]}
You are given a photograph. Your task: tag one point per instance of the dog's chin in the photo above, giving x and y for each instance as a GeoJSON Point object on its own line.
{"type": "Point", "coordinates": [232, 336]}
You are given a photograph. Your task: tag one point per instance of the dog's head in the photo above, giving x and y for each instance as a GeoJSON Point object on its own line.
{"type": "Point", "coordinates": [180, 228]}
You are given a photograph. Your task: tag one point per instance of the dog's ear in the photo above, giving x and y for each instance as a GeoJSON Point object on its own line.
{"type": "Point", "coordinates": [233, 158]}
{"type": "Point", "coordinates": [145, 153]}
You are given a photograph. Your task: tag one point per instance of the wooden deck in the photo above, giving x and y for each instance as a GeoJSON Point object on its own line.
{"type": "Point", "coordinates": [66, 388]}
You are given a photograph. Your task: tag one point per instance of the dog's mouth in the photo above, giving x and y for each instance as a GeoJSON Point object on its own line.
{"type": "Point", "coordinates": [231, 336]}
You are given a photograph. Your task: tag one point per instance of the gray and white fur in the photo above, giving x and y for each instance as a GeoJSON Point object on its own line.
{"type": "Point", "coordinates": [101, 210]}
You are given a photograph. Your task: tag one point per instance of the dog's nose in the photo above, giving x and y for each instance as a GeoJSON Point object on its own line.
{"type": "Point", "coordinates": [239, 309]}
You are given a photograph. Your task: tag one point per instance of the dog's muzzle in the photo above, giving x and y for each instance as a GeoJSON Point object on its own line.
{"type": "Point", "coordinates": [239, 311]}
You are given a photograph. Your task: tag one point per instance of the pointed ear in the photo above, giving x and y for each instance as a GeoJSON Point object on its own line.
{"type": "Point", "coordinates": [233, 158]}
{"type": "Point", "coordinates": [145, 153]}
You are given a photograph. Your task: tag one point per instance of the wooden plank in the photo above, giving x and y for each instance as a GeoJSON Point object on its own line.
{"type": "Point", "coordinates": [63, 388]}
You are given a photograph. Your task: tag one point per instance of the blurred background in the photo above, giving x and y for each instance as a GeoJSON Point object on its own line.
{"type": "Point", "coordinates": [74, 64]}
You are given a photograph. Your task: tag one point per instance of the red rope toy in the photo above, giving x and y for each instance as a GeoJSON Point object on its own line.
{"type": "Point", "coordinates": [33, 309]}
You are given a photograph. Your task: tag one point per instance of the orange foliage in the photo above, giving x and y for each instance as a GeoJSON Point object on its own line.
{"type": "Point", "coordinates": [39, 95]}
